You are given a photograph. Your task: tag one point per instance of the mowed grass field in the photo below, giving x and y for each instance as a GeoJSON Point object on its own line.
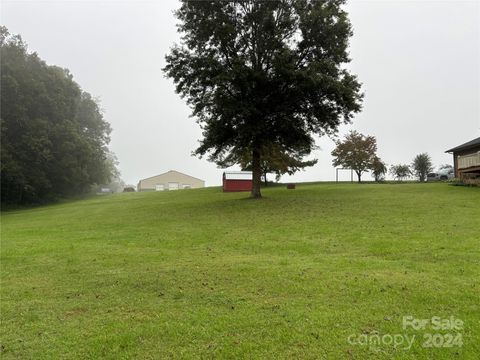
{"type": "Point", "coordinates": [201, 274]}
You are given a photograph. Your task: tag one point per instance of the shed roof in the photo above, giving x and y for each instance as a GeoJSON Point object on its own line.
{"type": "Point", "coordinates": [238, 175]}
{"type": "Point", "coordinates": [468, 145]}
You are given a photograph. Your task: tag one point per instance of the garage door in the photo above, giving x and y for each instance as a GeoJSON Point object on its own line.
{"type": "Point", "coordinates": [172, 186]}
{"type": "Point", "coordinates": [159, 187]}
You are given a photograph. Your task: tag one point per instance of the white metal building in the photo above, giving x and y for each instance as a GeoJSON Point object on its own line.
{"type": "Point", "coordinates": [171, 180]}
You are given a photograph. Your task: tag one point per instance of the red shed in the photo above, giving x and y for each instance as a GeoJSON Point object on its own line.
{"type": "Point", "coordinates": [237, 181]}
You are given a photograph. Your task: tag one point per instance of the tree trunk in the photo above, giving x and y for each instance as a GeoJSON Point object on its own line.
{"type": "Point", "coordinates": [265, 178]}
{"type": "Point", "coordinates": [256, 174]}
{"type": "Point", "coordinates": [359, 174]}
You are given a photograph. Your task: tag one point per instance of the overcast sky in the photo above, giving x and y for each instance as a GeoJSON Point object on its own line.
{"type": "Point", "coordinates": [419, 62]}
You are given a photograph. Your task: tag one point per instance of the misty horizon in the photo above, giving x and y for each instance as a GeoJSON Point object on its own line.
{"type": "Point", "coordinates": [419, 63]}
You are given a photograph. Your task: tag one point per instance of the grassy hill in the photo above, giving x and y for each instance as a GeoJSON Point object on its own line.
{"type": "Point", "coordinates": [307, 273]}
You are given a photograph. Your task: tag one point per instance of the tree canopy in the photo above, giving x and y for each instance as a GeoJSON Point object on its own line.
{"type": "Point", "coordinates": [273, 161]}
{"type": "Point", "coordinates": [445, 167]}
{"type": "Point", "coordinates": [263, 75]}
{"type": "Point", "coordinates": [356, 152]}
{"type": "Point", "coordinates": [53, 135]}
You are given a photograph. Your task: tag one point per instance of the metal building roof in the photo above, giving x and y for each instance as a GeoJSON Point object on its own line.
{"type": "Point", "coordinates": [238, 175]}
{"type": "Point", "coordinates": [171, 171]}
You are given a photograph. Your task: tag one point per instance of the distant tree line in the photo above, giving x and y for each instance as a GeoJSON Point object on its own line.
{"type": "Point", "coordinates": [53, 135]}
{"type": "Point", "coordinates": [358, 152]}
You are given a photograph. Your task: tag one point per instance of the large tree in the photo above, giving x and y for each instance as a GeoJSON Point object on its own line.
{"type": "Point", "coordinates": [53, 135]}
{"type": "Point", "coordinates": [356, 152]}
{"type": "Point", "coordinates": [263, 74]}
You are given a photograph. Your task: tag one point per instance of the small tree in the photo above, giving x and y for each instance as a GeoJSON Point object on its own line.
{"type": "Point", "coordinates": [445, 167]}
{"type": "Point", "coordinates": [356, 152]}
{"type": "Point", "coordinates": [422, 165]}
{"type": "Point", "coordinates": [279, 163]}
{"type": "Point", "coordinates": [275, 160]}
{"type": "Point", "coordinates": [379, 169]}
{"type": "Point", "coordinates": [400, 172]}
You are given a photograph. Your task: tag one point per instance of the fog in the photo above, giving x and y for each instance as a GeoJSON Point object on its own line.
{"type": "Point", "coordinates": [419, 62]}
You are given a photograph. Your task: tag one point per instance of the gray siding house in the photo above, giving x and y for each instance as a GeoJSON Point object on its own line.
{"type": "Point", "coordinates": [466, 161]}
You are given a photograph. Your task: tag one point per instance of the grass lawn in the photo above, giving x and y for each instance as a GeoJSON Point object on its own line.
{"type": "Point", "coordinates": [307, 273]}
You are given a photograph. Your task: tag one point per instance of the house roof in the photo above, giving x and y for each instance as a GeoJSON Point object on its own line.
{"type": "Point", "coordinates": [468, 145]}
{"type": "Point", "coordinates": [170, 171]}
